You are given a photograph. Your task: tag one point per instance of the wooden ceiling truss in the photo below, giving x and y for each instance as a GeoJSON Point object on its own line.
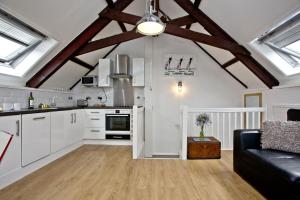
{"type": "Point", "coordinates": [217, 37]}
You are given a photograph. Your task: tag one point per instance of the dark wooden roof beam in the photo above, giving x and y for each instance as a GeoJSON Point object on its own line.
{"type": "Point", "coordinates": [109, 41]}
{"type": "Point", "coordinates": [196, 5]}
{"type": "Point", "coordinates": [81, 63]}
{"type": "Point", "coordinates": [205, 39]}
{"type": "Point", "coordinates": [230, 62]}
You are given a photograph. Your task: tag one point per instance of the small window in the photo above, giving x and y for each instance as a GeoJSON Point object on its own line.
{"type": "Point", "coordinates": [19, 41]}
{"type": "Point", "coordinates": [281, 45]}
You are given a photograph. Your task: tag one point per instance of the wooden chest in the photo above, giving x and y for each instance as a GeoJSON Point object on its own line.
{"type": "Point", "coordinates": [204, 149]}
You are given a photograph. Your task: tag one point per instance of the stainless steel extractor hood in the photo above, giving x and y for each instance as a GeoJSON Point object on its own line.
{"type": "Point", "coordinates": [121, 68]}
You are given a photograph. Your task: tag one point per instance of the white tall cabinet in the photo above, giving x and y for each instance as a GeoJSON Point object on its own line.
{"type": "Point", "coordinates": [138, 72]}
{"type": "Point", "coordinates": [35, 137]}
{"type": "Point", "coordinates": [12, 159]}
{"type": "Point", "coordinates": [104, 70]}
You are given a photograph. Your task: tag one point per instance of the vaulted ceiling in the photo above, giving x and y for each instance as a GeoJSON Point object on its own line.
{"type": "Point", "coordinates": [236, 18]}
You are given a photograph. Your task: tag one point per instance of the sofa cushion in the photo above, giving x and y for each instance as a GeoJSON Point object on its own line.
{"type": "Point", "coordinates": [283, 136]}
{"type": "Point", "coordinates": [284, 164]}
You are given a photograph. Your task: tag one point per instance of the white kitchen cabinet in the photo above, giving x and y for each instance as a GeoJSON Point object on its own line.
{"type": "Point", "coordinates": [94, 124]}
{"type": "Point", "coordinates": [94, 133]}
{"type": "Point", "coordinates": [66, 128]}
{"type": "Point", "coordinates": [58, 130]}
{"type": "Point", "coordinates": [35, 137]}
{"type": "Point", "coordinates": [12, 158]}
{"type": "Point", "coordinates": [104, 70]}
{"type": "Point", "coordinates": [138, 72]}
{"type": "Point", "coordinates": [78, 126]}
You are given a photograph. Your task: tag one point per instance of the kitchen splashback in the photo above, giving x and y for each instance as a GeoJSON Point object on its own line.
{"type": "Point", "coordinates": [123, 92]}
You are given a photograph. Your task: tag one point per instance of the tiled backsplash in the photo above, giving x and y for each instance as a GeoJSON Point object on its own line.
{"type": "Point", "coordinates": [13, 95]}
{"type": "Point", "coordinates": [20, 95]}
{"type": "Point", "coordinates": [83, 92]}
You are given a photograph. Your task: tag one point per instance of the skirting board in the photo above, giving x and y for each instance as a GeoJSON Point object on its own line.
{"type": "Point", "coordinates": [108, 142]}
{"type": "Point", "coordinates": [24, 171]}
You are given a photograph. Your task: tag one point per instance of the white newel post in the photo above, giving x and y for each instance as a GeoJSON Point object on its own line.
{"type": "Point", "coordinates": [184, 132]}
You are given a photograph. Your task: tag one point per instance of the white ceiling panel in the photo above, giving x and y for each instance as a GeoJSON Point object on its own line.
{"type": "Point", "coordinates": [246, 76]}
{"type": "Point", "coordinates": [111, 29]}
{"type": "Point", "coordinates": [65, 77]}
{"type": "Point", "coordinates": [221, 55]}
{"type": "Point", "coordinates": [93, 57]}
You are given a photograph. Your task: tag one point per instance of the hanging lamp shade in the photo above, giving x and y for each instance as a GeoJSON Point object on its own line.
{"type": "Point", "coordinates": [150, 24]}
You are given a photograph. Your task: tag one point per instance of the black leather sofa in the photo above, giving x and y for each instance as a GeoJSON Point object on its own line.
{"type": "Point", "coordinates": [275, 174]}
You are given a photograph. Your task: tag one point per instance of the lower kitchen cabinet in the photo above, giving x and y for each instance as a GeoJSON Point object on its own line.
{"type": "Point", "coordinates": [58, 130]}
{"type": "Point", "coordinates": [94, 124]}
{"type": "Point", "coordinates": [35, 137]}
{"type": "Point", "coordinates": [94, 133]}
{"type": "Point", "coordinates": [12, 158]}
{"type": "Point", "coordinates": [66, 129]}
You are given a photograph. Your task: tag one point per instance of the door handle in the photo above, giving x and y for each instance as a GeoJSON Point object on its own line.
{"type": "Point", "coordinates": [95, 119]}
{"type": "Point", "coordinates": [18, 128]}
{"type": "Point", "coordinates": [39, 118]}
{"type": "Point", "coordinates": [75, 118]}
{"type": "Point", "coordinates": [72, 118]}
{"type": "Point", "coordinates": [95, 131]}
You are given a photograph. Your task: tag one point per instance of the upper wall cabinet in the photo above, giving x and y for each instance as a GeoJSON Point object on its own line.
{"type": "Point", "coordinates": [104, 70]}
{"type": "Point", "coordinates": [138, 72]}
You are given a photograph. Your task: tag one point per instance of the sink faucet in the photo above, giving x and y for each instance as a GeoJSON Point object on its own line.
{"type": "Point", "coordinates": [53, 103]}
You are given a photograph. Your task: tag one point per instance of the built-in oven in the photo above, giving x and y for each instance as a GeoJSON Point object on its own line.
{"type": "Point", "coordinates": [118, 124]}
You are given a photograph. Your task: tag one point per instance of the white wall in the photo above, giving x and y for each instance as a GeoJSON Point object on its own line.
{"type": "Point", "coordinates": [279, 100]}
{"type": "Point", "coordinates": [211, 87]}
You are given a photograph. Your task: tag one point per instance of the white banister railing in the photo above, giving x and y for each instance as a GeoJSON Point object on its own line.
{"type": "Point", "coordinates": [223, 122]}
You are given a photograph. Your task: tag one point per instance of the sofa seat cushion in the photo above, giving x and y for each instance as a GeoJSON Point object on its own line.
{"type": "Point", "coordinates": [284, 164]}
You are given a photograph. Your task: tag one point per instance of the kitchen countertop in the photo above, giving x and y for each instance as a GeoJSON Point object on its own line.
{"type": "Point", "coordinates": [40, 110]}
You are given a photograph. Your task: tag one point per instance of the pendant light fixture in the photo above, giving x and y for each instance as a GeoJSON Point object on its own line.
{"type": "Point", "coordinates": [150, 24]}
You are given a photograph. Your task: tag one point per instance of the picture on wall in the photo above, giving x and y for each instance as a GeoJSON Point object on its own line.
{"type": "Point", "coordinates": [179, 64]}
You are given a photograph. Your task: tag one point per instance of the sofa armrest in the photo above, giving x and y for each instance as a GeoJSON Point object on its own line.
{"type": "Point", "coordinates": [246, 139]}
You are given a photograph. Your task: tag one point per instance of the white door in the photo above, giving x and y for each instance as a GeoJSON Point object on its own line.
{"type": "Point", "coordinates": [57, 131]}
{"type": "Point", "coordinates": [12, 158]}
{"type": "Point", "coordinates": [35, 137]}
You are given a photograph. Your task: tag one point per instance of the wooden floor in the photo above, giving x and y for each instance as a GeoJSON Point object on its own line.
{"type": "Point", "coordinates": [108, 172]}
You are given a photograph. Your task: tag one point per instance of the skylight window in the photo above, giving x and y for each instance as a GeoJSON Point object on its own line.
{"type": "Point", "coordinates": [281, 45]}
{"type": "Point", "coordinates": [21, 46]}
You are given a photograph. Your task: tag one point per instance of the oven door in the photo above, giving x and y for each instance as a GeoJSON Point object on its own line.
{"type": "Point", "coordinates": [117, 123]}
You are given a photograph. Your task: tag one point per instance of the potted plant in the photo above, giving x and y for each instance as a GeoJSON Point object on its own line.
{"type": "Point", "coordinates": [202, 120]}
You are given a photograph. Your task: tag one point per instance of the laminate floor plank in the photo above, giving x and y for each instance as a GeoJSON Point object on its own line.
{"type": "Point", "coordinates": [95, 172]}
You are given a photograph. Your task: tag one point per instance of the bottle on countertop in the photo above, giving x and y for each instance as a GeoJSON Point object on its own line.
{"type": "Point", "coordinates": [30, 101]}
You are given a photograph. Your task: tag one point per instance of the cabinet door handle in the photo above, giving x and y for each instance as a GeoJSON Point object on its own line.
{"type": "Point", "coordinates": [75, 118]}
{"type": "Point", "coordinates": [95, 119]}
{"type": "Point", "coordinates": [18, 128]}
{"type": "Point", "coordinates": [118, 137]}
{"type": "Point", "coordinates": [72, 118]}
{"type": "Point", "coordinates": [95, 131]}
{"type": "Point", "coordinates": [39, 118]}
